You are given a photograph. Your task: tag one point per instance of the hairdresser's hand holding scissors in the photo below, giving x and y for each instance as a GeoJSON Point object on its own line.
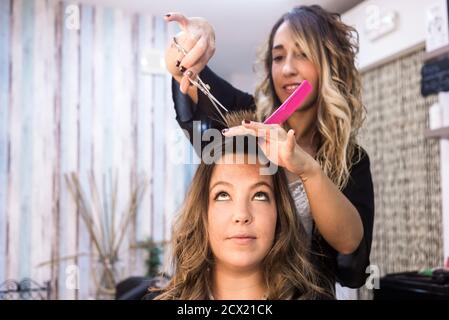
{"type": "Point", "coordinates": [197, 37]}
{"type": "Point", "coordinates": [279, 146]}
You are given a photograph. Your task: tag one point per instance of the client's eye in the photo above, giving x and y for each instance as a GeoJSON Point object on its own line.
{"type": "Point", "coordinates": [222, 196]}
{"type": "Point", "coordinates": [261, 196]}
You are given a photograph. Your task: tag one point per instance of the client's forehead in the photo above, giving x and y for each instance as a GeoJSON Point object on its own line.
{"type": "Point", "coordinates": [239, 174]}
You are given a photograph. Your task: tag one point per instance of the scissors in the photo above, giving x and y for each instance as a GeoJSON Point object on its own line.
{"type": "Point", "coordinates": [203, 87]}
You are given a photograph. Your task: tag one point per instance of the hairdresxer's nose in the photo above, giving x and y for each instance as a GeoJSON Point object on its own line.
{"type": "Point", "coordinates": [289, 68]}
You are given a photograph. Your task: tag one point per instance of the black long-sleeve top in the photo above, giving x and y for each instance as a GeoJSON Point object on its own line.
{"type": "Point", "coordinates": [349, 270]}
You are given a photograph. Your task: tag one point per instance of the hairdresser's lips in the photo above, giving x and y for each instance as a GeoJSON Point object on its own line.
{"type": "Point", "coordinates": [242, 239]}
{"type": "Point", "coordinates": [289, 88]}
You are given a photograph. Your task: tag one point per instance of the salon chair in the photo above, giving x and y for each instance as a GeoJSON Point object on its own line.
{"type": "Point", "coordinates": [134, 288]}
{"type": "Point", "coordinates": [414, 286]}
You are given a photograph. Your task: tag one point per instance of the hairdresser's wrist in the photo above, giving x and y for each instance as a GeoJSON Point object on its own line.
{"type": "Point", "coordinates": [309, 170]}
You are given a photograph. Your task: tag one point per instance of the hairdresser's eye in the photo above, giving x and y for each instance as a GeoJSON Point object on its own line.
{"type": "Point", "coordinates": [261, 196]}
{"type": "Point", "coordinates": [277, 58]}
{"type": "Point", "coordinates": [301, 55]}
{"type": "Point", "coordinates": [222, 196]}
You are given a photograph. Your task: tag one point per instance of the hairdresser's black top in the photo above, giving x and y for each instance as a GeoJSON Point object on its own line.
{"type": "Point", "coordinates": [349, 269]}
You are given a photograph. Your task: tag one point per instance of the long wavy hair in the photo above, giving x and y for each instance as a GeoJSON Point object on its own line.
{"type": "Point", "coordinates": [287, 270]}
{"type": "Point", "coordinates": [332, 46]}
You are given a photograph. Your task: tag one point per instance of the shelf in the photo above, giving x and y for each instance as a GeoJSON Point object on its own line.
{"type": "Point", "coordinates": [441, 133]}
{"type": "Point", "coordinates": [438, 53]}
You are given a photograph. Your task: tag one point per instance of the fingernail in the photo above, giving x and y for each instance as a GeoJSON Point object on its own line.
{"type": "Point", "coordinates": [247, 121]}
{"type": "Point", "coordinates": [224, 131]}
{"type": "Point", "coordinates": [189, 73]}
{"type": "Point", "coordinates": [183, 69]}
{"type": "Point", "coordinates": [168, 15]}
{"type": "Point", "coordinates": [178, 63]}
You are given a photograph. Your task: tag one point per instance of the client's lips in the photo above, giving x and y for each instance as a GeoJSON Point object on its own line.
{"type": "Point", "coordinates": [242, 238]}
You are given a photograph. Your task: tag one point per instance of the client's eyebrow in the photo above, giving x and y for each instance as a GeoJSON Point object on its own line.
{"type": "Point", "coordinates": [262, 183]}
{"type": "Point", "coordinates": [257, 184]}
{"type": "Point", "coordinates": [221, 182]}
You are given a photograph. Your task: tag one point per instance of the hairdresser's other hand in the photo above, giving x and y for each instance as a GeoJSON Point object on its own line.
{"type": "Point", "coordinates": [197, 37]}
{"type": "Point", "coordinates": [279, 146]}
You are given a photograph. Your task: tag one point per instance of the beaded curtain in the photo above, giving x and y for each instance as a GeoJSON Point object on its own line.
{"type": "Point", "coordinates": [405, 167]}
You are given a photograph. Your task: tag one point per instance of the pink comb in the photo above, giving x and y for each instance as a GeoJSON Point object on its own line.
{"type": "Point", "coordinates": [290, 105]}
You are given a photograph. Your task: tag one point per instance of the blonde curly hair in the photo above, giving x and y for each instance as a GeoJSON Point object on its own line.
{"type": "Point", "coordinates": [332, 46]}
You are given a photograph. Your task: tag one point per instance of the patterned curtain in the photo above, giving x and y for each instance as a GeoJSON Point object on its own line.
{"type": "Point", "coordinates": [405, 167]}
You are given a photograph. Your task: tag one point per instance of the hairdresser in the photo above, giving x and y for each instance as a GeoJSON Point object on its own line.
{"type": "Point", "coordinates": [328, 172]}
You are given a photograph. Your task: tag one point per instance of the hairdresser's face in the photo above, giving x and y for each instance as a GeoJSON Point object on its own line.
{"type": "Point", "coordinates": [290, 66]}
{"type": "Point", "coordinates": [241, 216]}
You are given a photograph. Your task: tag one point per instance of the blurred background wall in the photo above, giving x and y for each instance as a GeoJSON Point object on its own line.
{"type": "Point", "coordinates": [78, 100]}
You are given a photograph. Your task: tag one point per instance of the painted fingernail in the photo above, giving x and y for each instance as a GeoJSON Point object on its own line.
{"type": "Point", "coordinates": [247, 121]}
{"type": "Point", "coordinates": [224, 131]}
{"type": "Point", "coordinates": [183, 69]}
{"type": "Point", "coordinates": [178, 63]}
{"type": "Point", "coordinates": [189, 73]}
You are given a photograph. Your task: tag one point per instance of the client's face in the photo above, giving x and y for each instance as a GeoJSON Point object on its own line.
{"type": "Point", "coordinates": [241, 215]}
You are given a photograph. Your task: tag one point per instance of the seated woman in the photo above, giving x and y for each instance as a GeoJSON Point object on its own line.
{"type": "Point", "coordinates": [238, 235]}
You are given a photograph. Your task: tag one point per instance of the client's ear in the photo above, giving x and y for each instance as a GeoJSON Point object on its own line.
{"type": "Point", "coordinates": [235, 118]}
